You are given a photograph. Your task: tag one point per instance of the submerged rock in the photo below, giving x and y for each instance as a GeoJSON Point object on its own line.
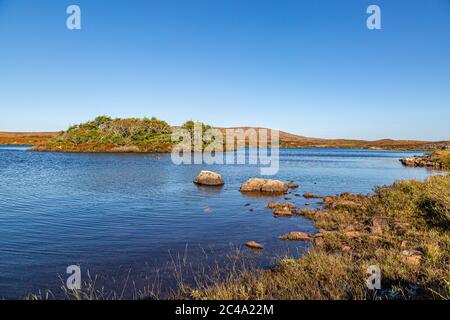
{"type": "Point", "coordinates": [292, 185]}
{"type": "Point", "coordinates": [209, 178]}
{"type": "Point", "coordinates": [296, 236]}
{"type": "Point", "coordinates": [254, 245]}
{"type": "Point", "coordinates": [264, 185]}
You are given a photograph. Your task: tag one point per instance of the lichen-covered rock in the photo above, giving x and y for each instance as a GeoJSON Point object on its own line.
{"type": "Point", "coordinates": [209, 178]}
{"type": "Point", "coordinates": [264, 185]}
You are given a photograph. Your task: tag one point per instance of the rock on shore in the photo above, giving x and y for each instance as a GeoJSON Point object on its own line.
{"type": "Point", "coordinates": [209, 178]}
{"type": "Point", "coordinates": [296, 236]}
{"type": "Point", "coordinates": [264, 185]}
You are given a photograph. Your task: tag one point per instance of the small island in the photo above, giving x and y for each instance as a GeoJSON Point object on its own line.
{"type": "Point", "coordinates": [104, 134]}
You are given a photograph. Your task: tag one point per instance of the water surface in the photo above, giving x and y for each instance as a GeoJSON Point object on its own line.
{"type": "Point", "coordinates": [111, 213]}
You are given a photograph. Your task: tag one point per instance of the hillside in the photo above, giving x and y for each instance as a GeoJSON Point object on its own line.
{"type": "Point", "coordinates": [25, 138]}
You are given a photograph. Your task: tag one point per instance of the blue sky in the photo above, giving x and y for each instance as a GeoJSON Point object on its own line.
{"type": "Point", "coordinates": [308, 67]}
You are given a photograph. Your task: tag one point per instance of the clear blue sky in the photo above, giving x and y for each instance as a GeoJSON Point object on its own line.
{"type": "Point", "coordinates": [308, 67]}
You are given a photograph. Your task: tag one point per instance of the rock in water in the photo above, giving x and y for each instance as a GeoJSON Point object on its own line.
{"type": "Point", "coordinates": [254, 245]}
{"type": "Point", "coordinates": [273, 205]}
{"type": "Point", "coordinates": [292, 185]}
{"type": "Point", "coordinates": [264, 185]}
{"type": "Point", "coordinates": [209, 178]}
{"type": "Point", "coordinates": [296, 236]}
{"type": "Point", "coordinates": [282, 211]}
{"type": "Point", "coordinates": [309, 195]}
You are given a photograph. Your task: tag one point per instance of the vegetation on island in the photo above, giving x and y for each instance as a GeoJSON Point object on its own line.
{"type": "Point", "coordinates": [105, 134]}
{"type": "Point", "coordinates": [404, 229]}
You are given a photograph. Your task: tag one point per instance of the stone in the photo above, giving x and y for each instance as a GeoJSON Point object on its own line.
{"type": "Point", "coordinates": [282, 212]}
{"type": "Point", "coordinates": [264, 185]}
{"type": "Point", "coordinates": [309, 195]}
{"type": "Point", "coordinates": [209, 178]}
{"type": "Point", "coordinates": [345, 249]}
{"type": "Point", "coordinates": [425, 161]}
{"type": "Point", "coordinates": [411, 256]}
{"type": "Point", "coordinates": [319, 242]}
{"type": "Point", "coordinates": [345, 203]}
{"type": "Point", "coordinates": [379, 225]}
{"type": "Point", "coordinates": [296, 236]}
{"type": "Point", "coordinates": [254, 245]}
{"type": "Point", "coordinates": [404, 244]}
{"type": "Point", "coordinates": [327, 200]}
{"type": "Point", "coordinates": [292, 185]}
{"type": "Point", "coordinates": [352, 234]}
{"type": "Point", "coordinates": [273, 205]}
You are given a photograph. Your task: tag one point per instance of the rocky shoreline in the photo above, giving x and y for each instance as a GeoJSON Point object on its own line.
{"type": "Point", "coordinates": [392, 229]}
{"type": "Point", "coordinates": [433, 160]}
{"type": "Point", "coordinates": [420, 161]}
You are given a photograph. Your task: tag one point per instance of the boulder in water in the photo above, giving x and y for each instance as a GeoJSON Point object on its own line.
{"type": "Point", "coordinates": [209, 178]}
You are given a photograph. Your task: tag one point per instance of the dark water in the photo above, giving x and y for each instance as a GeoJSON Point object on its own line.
{"type": "Point", "coordinates": [111, 213]}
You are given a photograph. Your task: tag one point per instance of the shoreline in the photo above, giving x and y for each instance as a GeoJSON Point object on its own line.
{"type": "Point", "coordinates": [412, 250]}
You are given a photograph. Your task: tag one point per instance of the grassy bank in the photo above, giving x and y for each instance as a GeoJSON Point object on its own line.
{"type": "Point", "coordinates": [404, 229]}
